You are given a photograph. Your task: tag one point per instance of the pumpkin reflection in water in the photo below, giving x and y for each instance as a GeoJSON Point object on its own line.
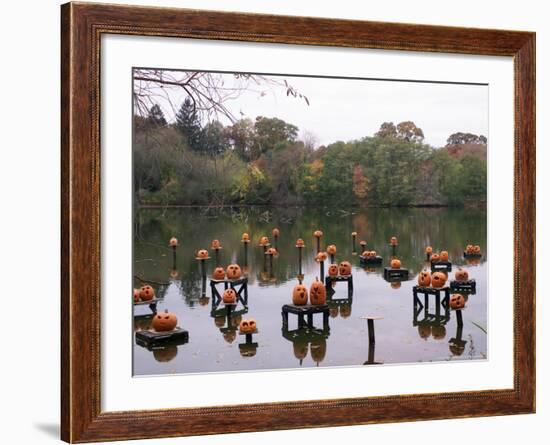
{"type": "Point", "coordinates": [219, 321]}
{"type": "Point", "coordinates": [142, 323]}
{"type": "Point", "coordinates": [395, 284]}
{"type": "Point", "coordinates": [456, 349]}
{"type": "Point", "coordinates": [424, 331]}
{"type": "Point", "coordinates": [318, 349]}
{"type": "Point", "coordinates": [166, 354]}
{"type": "Point", "coordinates": [248, 350]}
{"type": "Point", "coordinates": [345, 310]}
{"type": "Point", "coordinates": [333, 312]}
{"type": "Point", "coordinates": [439, 332]}
{"type": "Point", "coordinates": [230, 336]}
{"type": "Point", "coordinates": [204, 300]}
{"type": "Point", "coordinates": [300, 347]}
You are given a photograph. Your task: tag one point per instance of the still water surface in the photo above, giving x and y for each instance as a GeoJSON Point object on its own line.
{"type": "Point", "coordinates": [401, 335]}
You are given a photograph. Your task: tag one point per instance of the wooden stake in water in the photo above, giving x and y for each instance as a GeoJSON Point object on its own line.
{"type": "Point", "coordinates": [322, 270]}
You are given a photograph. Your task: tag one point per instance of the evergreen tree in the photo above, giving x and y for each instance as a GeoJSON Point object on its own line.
{"type": "Point", "coordinates": [156, 118]}
{"type": "Point", "coordinates": [188, 124]}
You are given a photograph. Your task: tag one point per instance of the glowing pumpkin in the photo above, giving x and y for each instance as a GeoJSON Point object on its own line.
{"type": "Point", "coordinates": [146, 293]}
{"type": "Point", "coordinates": [218, 273]}
{"type": "Point", "coordinates": [393, 241]}
{"type": "Point", "coordinates": [299, 295]}
{"type": "Point", "coordinates": [165, 321]}
{"type": "Point", "coordinates": [424, 279]}
{"type": "Point", "coordinates": [317, 293]}
{"type": "Point", "coordinates": [395, 263]}
{"type": "Point", "coordinates": [457, 301]}
{"type": "Point", "coordinates": [429, 250]}
{"type": "Point", "coordinates": [333, 270]}
{"type": "Point", "coordinates": [461, 275]}
{"type": "Point", "coordinates": [331, 249]}
{"type": "Point", "coordinates": [344, 268]}
{"type": "Point", "coordinates": [173, 242]}
{"type": "Point", "coordinates": [444, 256]}
{"type": "Point", "coordinates": [229, 296]}
{"type": "Point", "coordinates": [202, 254]}
{"type": "Point", "coordinates": [216, 244]}
{"type": "Point", "coordinates": [136, 295]}
{"type": "Point", "coordinates": [317, 234]}
{"type": "Point", "coordinates": [300, 243]}
{"type": "Point", "coordinates": [245, 237]}
{"type": "Point", "coordinates": [264, 241]}
{"type": "Point", "coordinates": [233, 272]}
{"type": "Point", "coordinates": [435, 258]}
{"type": "Point", "coordinates": [438, 279]}
{"type": "Point", "coordinates": [275, 232]}
{"type": "Point", "coordinates": [321, 257]}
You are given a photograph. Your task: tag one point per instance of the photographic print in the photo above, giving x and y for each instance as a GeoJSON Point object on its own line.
{"type": "Point", "coordinates": [284, 221]}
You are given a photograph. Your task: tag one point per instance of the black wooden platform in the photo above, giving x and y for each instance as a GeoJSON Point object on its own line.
{"type": "Point", "coordinates": [426, 291]}
{"type": "Point", "coordinates": [391, 274]}
{"type": "Point", "coordinates": [438, 266]}
{"type": "Point", "coordinates": [304, 334]}
{"type": "Point", "coordinates": [303, 311]}
{"type": "Point", "coordinates": [464, 286]}
{"type": "Point", "coordinates": [240, 286]}
{"type": "Point", "coordinates": [339, 278]}
{"type": "Point", "coordinates": [152, 338]}
{"type": "Point", "coordinates": [370, 260]}
{"type": "Point", "coordinates": [436, 318]}
{"type": "Point", "coordinates": [472, 255]}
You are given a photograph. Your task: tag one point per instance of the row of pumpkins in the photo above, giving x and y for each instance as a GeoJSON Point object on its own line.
{"type": "Point", "coordinates": [438, 280]}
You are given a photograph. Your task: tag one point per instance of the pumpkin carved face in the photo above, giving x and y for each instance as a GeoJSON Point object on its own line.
{"type": "Point", "coordinates": [429, 250]}
{"type": "Point", "coordinates": [146, 293]}
{"type": "Point", "coordinates": [202, 254]}
{"type": "Point", "coordinates": [457, 301]}
{"type": "Point", "coordinates": [245, 328]}
{"type": "Point", "coordinates": [300, 242]}
{"type": "Point", "coordinates": [444, 256]}
{"type": "Point", "coordinates": [216, 244]}
{"type": "Point", "coordinates": [438, 279]}
{"type": "Point", "coordinates": [136, 295]}
{"type": "Point", "coordinates": [477, 249]}
{"type": "Point", "coordinates": [461, 275]}
{"type": "Point", "coordinates": [362, 243]}
{"type": "Point", "coordinates": [331, 250]}
{"type": "Point", "coordinates": [435, 257]}
{"type": "Point", "coordinates": [393, 241]}
{"type": "Point", "coordinates": [229, 296]}
{"type": "Point", "coordinates": [219, 273]}
{"type": "Point", "coordinates": [353, 234]}
{"type": "Point", "coordinates": [317, 234]}
{"type": "Point", "coordinates": [299, 295]}
{"type": "Point", "coordinates": [264, 241]}
{"type": "Point", "coordinates": [233, 272]}
{"type": "Point", "coordinates": [469, 248]}
{"type": "Point", "coordinates": [271, 251]}
{"type": "Point", "coordinates": [321, 257]}
{"type": "Point", "coordinates": [317, 293]}
{"type": "Point", "coordinates": [173, 242]}
{"type": "Point", "coordinates": [245, 237]}
{"type": "Point", "coordinates": [424, 279]}
{"type": "Point", "coordinates": [165, 321]}
{"type": "Point", "coordinates": [372, 253]}
{"type": "Point", "coordinates": [344, 268]}
{"type": "Point", "coordinates": [395, 264]}
{"type": "Point", "coordinates": [333, 270]}
{"type": "Point", "coordinates": [275, 232]}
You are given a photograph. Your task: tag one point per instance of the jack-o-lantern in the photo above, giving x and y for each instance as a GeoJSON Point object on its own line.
{"type": "Point", "coordinates": [136, 295]}
{"type": "Point", "coordinates": [444, 256]}
{"type": "Point", "coordinates": [245, 237]}
{"type": "Point", "coordinates": [219, 273]}
{"type": "Point", "coordinates": [424, 279]}
{"type": "Point", "coordinates": [317, 293]}
{"type": "Point", "coordinates": [372, 253]}
{"type": "Point", "coordinates": [438, 279]}
{"type": "Point", "coordinates": [202, 254]}
{"type": "Point", "coordinates": [395, 263]}
{"type": "Point", "coordinates": [264, 241]}
{"type": "Point", "coordinates": [429, 250]}
{"type": "Point", "coordinates": [345, 268]}
{"type": "Point", "coordinates": [321, 257]}
{"type": "Point", "coordinates": [252, 324]}
{"type": "Point", "coordinates": [439, 332]}
{"type": "Point", "coordinates": [229, 296]}
{"type": "Point", "coordinates": [317, 234]}
{"type": "Point", "coordinates": [333, 270]}
{"type": "Point", "coordinates": [271, 251]}
{"type": "Point", "coordinates": [362, 243]}
{"type": "Point", "coordinates": [469, 248]}
{"type": "Point", "coordinates": [395, 284]}
{"type": "Point", "coordinates": [165, 321]}
{"type": "Point", "coordinates": [353, 234]}
{"type": "Point", "coordinates": [146, 293]}
{"type": "Point", "coordinates": [299, 295]}
{"type": "Point", "coordinates": [300, 242]}
{"type": "Point", "coordinates": [477, 249]}
{"type": "Point", "coordinates": [173, 242]}
{"type": "Point", "coordinates": [457, 301]}
{"type": "Point", "coordinates": [275, 232]}
{"type": "Point", "coordinates": [318, 349]}
{"type": "Point", "coordinates": [393, 241]}
{"type": "Point", "coordinates": [424, 330]}
{"type": "Point", "coordinates": [435, 258]}
{"type": "Point", "coordinates": [244, 327]}
{"type": "Point", "coordinates": [216, 244]}
{"type": "Point", "coordinates": [461, 275]}
{"type": "Point", "coordinates": [233, 271]}
{"type": "Point", "coordinates": [331, 249]}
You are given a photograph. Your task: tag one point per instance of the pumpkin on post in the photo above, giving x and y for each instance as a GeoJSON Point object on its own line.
{"type": "Point", "coordinates": [457, 301]}
{"type": "Point", "coordinates": [461, 275]}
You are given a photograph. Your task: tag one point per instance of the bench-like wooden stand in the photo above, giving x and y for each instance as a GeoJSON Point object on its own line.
{"type": "Point", "coordinates": [306, 310]}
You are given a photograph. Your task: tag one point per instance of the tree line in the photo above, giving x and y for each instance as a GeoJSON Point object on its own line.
{"type": "Point", "coordinates": [264, 162]}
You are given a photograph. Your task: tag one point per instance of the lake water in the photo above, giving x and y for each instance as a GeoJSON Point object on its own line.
{"type": "Point", "coordinates": [401, 334]}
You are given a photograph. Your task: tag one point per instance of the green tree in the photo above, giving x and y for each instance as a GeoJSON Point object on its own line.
{"type": "Point", "coordinates": [213, 139]}
{"type": "Point", "coordinates": [155, 117]}
{"type": "Point", "coordinates": [270, 133]}
{"type": "Point", "coordinates": [188, 124]}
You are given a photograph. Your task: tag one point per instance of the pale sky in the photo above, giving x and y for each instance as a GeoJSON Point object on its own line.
{"type": "Point", "coordinates": [346, 109]}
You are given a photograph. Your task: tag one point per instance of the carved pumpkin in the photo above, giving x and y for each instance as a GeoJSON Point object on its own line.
{"type": "Point", "coordinates": [344, 268]}
{"type": "Point", "coordinates": [372, 253]}
{"type": "Point", "coordinates": [477, 249]}
{"type": "Point", "coordinates": [461, 275]}
{"type": "Point", "coordinates": [434, 258]}
{"type": "Point", "coordinates": [275, 232]}
{"type": "Point", "coordinates": [353, 234]}
{"type": "Point", "coordinates": [202, 254]}
{"type": "Point", "coordinates": [424, 331]}
{"type": "Point", "coordinates": [438, 279]}
{"type": "Point", "coordinates": [317, 234]}
{"type": "Point", "coordinates": [229, 296]}
{"type": "Point", "coordinates": [271, 251]}
{"type": "Point", "coordinates": [136, 295]}
{"type": "Point", "coordinates": [146, 293]}
{"type": "Point", "coordinates": [317, 293]}
{"type": "Point", "coordinates": [233, 272]}
{"type": "Point", "coordinates": [173, 242]}
{"type": "Point", "coordinates": [318, 349]}
{"type": "Point", "coordinates": [444, 256]}
{"type": "Point", "coordinates": [429, 250]}
{"type": "Point", "coordinates": [245, 238]}
{"type": "Point", "coordinates": [252, 324]}
{"type": "Point", "coordinates": [321, 256]}
{"type": "Point", "coordinates": [395, 263]}
{"type": "Point", "coordinates": [166, 354]}
{"type": "Point", "coordinates": [457, 301]}
{"type": "Point", "coordinates": [165, 321]}
{"type": "Point", "coordinates": [331, 250]}
{"type": "Point", "coordinates": [439, 332]}
{"type": "Point", "coordinates": [362, 243]}
{"type": "Point", "coordinates": [299, 295]}
{"type": "Point", "coordinates": [264, 241]}
{"type": "Point", "coordinates": [424, 279]}
{"type": "Point", "coordinates": [219, 273]}
{"type": "Point", "coordinates": [393, 241]}
{"type": "Point", "coordinates": [244, 327]}
{"type": "Point", "coordinates": [395, 284]}
{"type": "Point", "coordinates": [300, 242]}
{"type": "Point", "coordinates": [333, 270]}
{"type": "Point", "coordinates": [469, 248]}
{"type": "Point", "coordinates": [216, 244]}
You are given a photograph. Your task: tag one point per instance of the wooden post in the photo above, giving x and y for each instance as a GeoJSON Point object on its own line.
{"type": "Point", "coordinates": [174, 257]}
{"type": "Point", "coordinates": [370, 324]}
{"type": "Point", "coordinates": [318, 244]}
{"type": "Point", "coordinates": [459, 321]}
{"type": "Point", "coordinates": [299, 260]}
{"type": "Point", "coordinates": [203, 267]}
{"type": "Point", "coordinates": [203, 286]}
{"type": "Point", "coordinates": [217, 255]}
{"type": "Point", "coordinates": [322, 270]}
{"type": "Point", "coordinates": [276, 241]}
{"type": "Point", "coordinates": [245, 254]}
{"type": "Point", "coordinates": [332, 258]}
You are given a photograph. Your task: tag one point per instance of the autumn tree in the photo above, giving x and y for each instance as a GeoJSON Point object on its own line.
{"type": "Point", "coordinates": [408, 131]}
{"type": "Point", "coordinates": [387, 130]}
{"type": "Point", "coordinates": [360, 183]}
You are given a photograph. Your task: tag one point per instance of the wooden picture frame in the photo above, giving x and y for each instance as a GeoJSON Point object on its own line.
{"type": "Point", "coordinates": [82, 26]}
